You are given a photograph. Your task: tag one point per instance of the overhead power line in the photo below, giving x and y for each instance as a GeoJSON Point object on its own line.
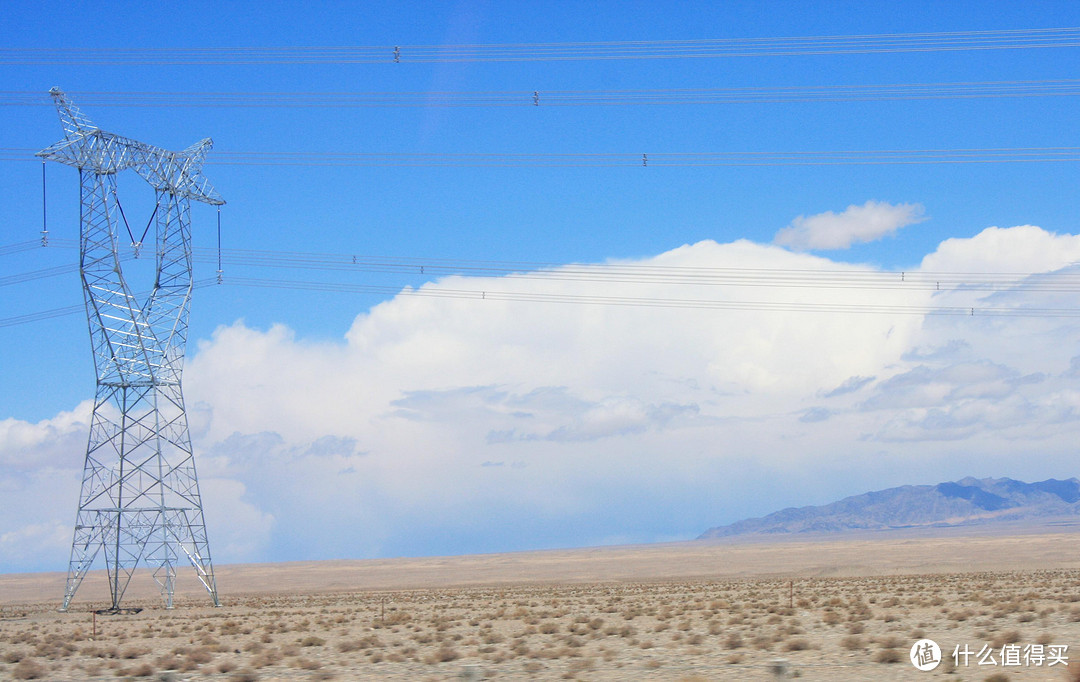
{"type": "Point", "coordinates": [41, 315]}
{"type": "Point", "coordinates": [618, 273]}
{"type": "Point", "coordinates": [584, 299]}
{"type": "Point", "coordinates": [655, 159]}
{"type": "Point", "coordinates": [19, 247]}
{"type": "Point", "coordinates": [77, 308]}
{"type": "Point", "coordinates": [1018, 39]}
{"type": "Point", "coordinates": [655, 302]}
{"type": "Point", "coordinates": [621, 273]}
{"type": "Point", "coordinates": [54, 271]}
{"type": "Point", "coordinates": [564, 98]}
{"type": "Point", "coordinates": [648, 159]}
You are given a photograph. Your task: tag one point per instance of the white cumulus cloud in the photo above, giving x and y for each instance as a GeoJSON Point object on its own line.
{"type": "Point", "coordinates": [869, 222]}
{"type": "Point", "coordinates": [439, 425]}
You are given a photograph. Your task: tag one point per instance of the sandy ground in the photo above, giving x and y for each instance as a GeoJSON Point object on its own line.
{"type": "Point", "coordinates": [825, 609]}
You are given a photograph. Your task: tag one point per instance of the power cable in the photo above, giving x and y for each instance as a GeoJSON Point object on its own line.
{"type": "Point", "coordinates": [652, 274]}
{"type": "Point", "coordinates": [563, 98]}
{"type": "Point", "coordinates": [19, 247]}
{"type": "Point", "coordinates": [951, 41]}
{"type": "Point", "coordinates": [651, 302]}
{"type": "Point", "coordinates": [618, 273]}
{"type": "Point", "coordinates": [985, 155]}
{"type": "Point", "coordinates": [77, 308]}
{"type": "Point", "coordinates": [773, 306]}
{"type": "Point", "coordinates": [8, 280]}
{"type": "Point", "coordinates": [621, 274]}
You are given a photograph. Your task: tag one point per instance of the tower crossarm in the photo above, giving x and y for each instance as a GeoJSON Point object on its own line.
{"type": "Point", "coordinates": [87, 147]}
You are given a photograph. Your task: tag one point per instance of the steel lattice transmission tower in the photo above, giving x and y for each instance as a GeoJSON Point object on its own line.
{"type": "Point", "coordinates": [140, 496]}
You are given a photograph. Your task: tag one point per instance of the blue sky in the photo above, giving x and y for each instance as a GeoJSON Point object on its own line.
{"type": "Point", "coordinates": [431, 425]}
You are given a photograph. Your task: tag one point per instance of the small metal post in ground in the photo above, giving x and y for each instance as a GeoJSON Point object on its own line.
{"type": "Point", "coordinates": [779, 668]}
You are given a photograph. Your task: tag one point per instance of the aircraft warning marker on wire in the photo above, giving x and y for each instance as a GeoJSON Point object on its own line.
{"type": "Point", "coordinates": [140, 498]}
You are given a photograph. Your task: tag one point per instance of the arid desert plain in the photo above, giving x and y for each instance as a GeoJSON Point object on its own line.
{"type": "Point", "coordinates": [816, 609]}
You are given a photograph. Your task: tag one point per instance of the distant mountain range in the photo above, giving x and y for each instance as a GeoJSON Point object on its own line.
{"type": "Point", "coordinates": [969, 501]}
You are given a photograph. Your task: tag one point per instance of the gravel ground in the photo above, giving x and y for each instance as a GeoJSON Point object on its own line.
{"type": "Point", "coordinates": [841, 628]}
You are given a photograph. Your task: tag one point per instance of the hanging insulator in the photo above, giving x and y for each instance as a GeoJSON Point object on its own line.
{"type": "Point", "coordinates": [219, 270]}
{"type": "Point", "coordinates": [44, 212]}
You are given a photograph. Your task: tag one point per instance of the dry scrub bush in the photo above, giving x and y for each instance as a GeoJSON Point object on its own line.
{"type": "Point", "coordinates": [581, 665]}
{"type": "Point", "coordinates": [393, 618]}
{"type": "Point", "coordinates": [369, 642]}
{"type": "Point", "coordinates": [133, 652]}
{"type": "Point", "coordinates": [443, 654]}
{"type": "Point", "coordinates": [199, 655]}
{"type": "Point", "coordinates": [226, 666]}
{"type": "Point", "coordinates": [29, 669]}
{"type": "Point", "coordinates": [13, 656]}
{"type": "Point", "coordinates": [306, 664]}
{"type": "Point", "coordinates": [891, 642]}
{"type": "Point", "coordinates": [141, 670]}
{"type": "Point", "coordinates": [1007, 637]}
{"type": "Point", "coordinates": [853, 643]}
{"type": "Point", "coordinates": [169, 662]}
{"type": "Point", "coordinates": [888, 656]}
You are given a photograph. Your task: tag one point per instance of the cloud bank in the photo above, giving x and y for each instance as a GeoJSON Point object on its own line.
{"type": "Point", "coordinates": [444, 425]}
{"type": "Point", "coordinates": [827, 231]}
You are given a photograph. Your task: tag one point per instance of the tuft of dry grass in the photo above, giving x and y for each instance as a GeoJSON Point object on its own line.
{"type": "Point", "coordinates": [853, 643]}
{"type": "Point", "coordinates": [306, 664]}
{"type": "Point", "coordinates": [888, 656]}
{"type": "Point", "coordinates": [1007, 637]}
{"type": "Point", "coordinates": [443, 654]}
{"type": "Point", "coordinates": [13, 656]}
{"type": "Point", "coordinates": [29, 669]}
{"type": "Point", "coordinates": [143, 669]}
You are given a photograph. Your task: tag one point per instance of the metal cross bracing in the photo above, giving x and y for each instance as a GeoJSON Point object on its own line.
{"type": "Point", "coordinates": [140, 498]}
